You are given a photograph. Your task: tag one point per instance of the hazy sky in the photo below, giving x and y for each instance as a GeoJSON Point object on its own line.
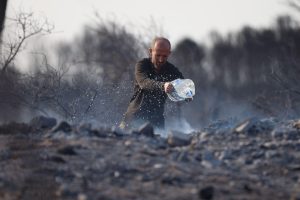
{"type": "Point", "coordinates": [177, 18]}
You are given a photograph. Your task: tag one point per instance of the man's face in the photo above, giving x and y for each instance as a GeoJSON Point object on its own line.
{"type": "Point", "coordinates": [159, 54]}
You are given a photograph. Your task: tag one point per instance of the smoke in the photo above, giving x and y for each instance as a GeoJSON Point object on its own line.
{"type": "Point", "coordinates": [181, 125]}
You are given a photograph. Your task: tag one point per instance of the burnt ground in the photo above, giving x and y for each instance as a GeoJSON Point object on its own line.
{"type": "Point", "coordinates": [254, 159]}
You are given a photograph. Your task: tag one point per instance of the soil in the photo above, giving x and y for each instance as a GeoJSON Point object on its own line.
{"type": "Point", "coordinates": [255, 159]}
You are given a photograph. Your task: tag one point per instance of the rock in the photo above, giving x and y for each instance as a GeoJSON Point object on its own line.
{"type": "Point", "coordinates": [295, 196]}
{"type": "Point", "coordinates": [171, 180]}
{"type": "Point", "coordinates": [63, 126]}
{"type": "Point", "coordinates": [41, 122]}
{"type": "Point", "coordinates": [296, 124]}
{"type": "Point", "coordinates": [292, 135]}
{"type": "Point", "coordinates": [247, 188]}
{"type": "Point", "coordinates": [119, 132]}
{"type": "Point", "coordinates": [271, 154]}
{"type": "Point", "coordinates": [99, 133]}
{"type": "Point", "coordinates": [209, 160]}
{"type": "Point", "coordinates": [254, 125]}
{"type": "Point", "coordinates": [84, 128]}
{"type": "Point", "coordinates": [181, 156]}
{"type": "Point", "coordinates": [285, 132]}
{"type": "Point", "coordinates": [226, 155]}
{"type": "Point", "coordinates": [198, 157]}
{"type": "Point", "coordinates": [146, 130]}
{"type": "Point", "coordinates": [82, 197]}
{"type": "Point", "coordinates": [56, 159]}
{"type": "Point", "coordinates": [68, 150]}
{"type": "Point", "coordinates": [15, 128]}
{"type": "Point", "coordinates": [5, 154]}
{"type": "Point", "coordinates": [206, 193]}
{"type": "Point", "coordinates": [178, 139]}
{"type": "Point", "coordinates": [278, 133]}
{"type": "Point", "coordinates": [294, 167]}
{"type": "Point", "coordinates": [258, 154]}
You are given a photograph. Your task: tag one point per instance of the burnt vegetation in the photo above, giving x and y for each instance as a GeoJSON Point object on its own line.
{"type": "Point", "coordinates": [249, 72]}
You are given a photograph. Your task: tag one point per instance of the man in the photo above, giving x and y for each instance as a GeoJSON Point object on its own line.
{"type": "Point", "coordinates": [152, 83]}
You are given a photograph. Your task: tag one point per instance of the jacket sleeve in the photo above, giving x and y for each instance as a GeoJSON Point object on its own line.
{"type": "Point", "coordinates": [142, 74]}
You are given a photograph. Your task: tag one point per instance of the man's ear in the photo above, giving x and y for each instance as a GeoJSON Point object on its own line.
{"type": "Point", "coordinates": [150, 52]}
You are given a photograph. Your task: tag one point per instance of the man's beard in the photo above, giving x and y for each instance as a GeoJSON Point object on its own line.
{"type": "Point", "coordinates": [159, 66]}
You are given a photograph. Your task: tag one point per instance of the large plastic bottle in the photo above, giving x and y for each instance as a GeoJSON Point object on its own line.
{"type": "Point", "coordinates": [183, 89]}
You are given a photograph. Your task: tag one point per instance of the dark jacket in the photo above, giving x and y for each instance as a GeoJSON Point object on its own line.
{"type": "Point", "coordinates": [147, 102]}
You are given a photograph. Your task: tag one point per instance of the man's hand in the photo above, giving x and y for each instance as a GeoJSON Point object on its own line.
{"type": "Point", "coordinates": [168, 87]}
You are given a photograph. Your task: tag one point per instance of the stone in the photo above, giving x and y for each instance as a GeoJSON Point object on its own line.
{"type": "Point", "coordinates": [296, 124]}
{"type": "Point", "coordinates": [254, 126]}
{"type": "Point", "coordinates": [14, 128]}
{"type": "Point", "coordinates": [146, 130]}
{"type": "Point", "coordinates": [63, 126]}
{"type": "Point", "coordinates": [67, 150]}
{"type": "Point", "coordinates": [209, 160]}
{"type": "Point", "coordinates": [178, 139]}
{"type": "Point", "coordinates": [119, 132]}
{"type": "Point", "coordinates": [41, 122]}
{"type": "Point", "coordinates": [206, 193]}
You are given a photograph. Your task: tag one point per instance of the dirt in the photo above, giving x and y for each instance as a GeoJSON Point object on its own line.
{"type": "Point", "coordinates": [64, 161]}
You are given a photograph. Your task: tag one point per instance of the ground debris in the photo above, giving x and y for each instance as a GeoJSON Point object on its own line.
{"type": "Point", "coordinates": [255, 159]}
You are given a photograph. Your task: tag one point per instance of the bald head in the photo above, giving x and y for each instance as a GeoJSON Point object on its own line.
{"type": "Point", "coordinates": [162, 42]}
{"type": "Point", "coordinates": [159, 52]}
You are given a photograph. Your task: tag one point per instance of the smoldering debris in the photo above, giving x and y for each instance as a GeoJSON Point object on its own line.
{"type": "Point", "coordinates": [51, 159]}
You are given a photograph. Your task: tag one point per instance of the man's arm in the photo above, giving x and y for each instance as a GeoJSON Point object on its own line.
{"type": "Point", "coordinates": [168, 87]}
{"type": "Point", "coordinates": [143, 79]}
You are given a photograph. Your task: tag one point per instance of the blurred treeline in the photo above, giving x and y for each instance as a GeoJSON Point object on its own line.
{"type": "Point", "coordinates": [252, 72]}
{"type": "Point", "coordinates": [248, 73]}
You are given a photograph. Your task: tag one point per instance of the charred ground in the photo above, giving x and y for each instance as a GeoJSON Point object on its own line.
{"type": "Point", "coordinates": [46, 159]}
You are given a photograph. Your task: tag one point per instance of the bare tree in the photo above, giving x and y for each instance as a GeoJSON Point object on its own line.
{"type": "Point", "coordinates": [294, 4]}
{"type": "Point", "coordinates": [18, 31]}
{"type": "Point", "coordinates": [25, 26]}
